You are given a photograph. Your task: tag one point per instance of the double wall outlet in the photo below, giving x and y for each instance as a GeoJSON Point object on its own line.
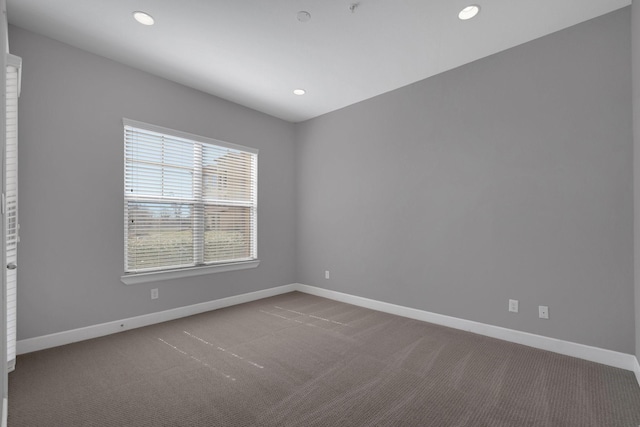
{"type": "Point", "coordinates": [513, 305]}
{"type": "Point", "coordinates": [154, 293]}
{"type": "Point", "coordinates": [326, 274]}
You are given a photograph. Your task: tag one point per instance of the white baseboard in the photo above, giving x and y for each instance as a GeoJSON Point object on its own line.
{"type": "Point", "coordinates": [593, 354]}
{"type": "Point", "coordinates": [581, 351]}
{"type": "Point", "coordinates": [5, 408]}
{"type": "Point", "coordinates": [67, 337]}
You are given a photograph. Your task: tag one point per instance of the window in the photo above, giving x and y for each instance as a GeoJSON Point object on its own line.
{"type": "Point", "coordinates": [190, 203]}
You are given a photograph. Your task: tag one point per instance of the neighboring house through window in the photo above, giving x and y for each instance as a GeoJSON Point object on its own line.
{"type": "Point", "coordinates": [190, 204]}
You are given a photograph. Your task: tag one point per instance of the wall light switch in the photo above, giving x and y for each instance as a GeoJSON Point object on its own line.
{"type": "Point", "coordinates": [513, 305]}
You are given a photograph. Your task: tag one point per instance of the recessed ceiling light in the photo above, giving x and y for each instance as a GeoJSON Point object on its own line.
{"type": "Point", "coordinates": [469, 12]}
{"type": "Point", "coordinates": [143, 18]}
{"type": "Point", "coordinates": [299, 91]}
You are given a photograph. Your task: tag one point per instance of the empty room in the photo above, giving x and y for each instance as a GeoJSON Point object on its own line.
{"type": "Point", "coordinates": [321, 213]}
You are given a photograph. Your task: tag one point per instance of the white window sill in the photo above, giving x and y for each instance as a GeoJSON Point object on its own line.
{"type": "Point", "coordinates": [154, 276]}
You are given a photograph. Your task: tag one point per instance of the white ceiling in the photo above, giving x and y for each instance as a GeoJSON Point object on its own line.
{"type": "Point", "coordinates": [255, 52]}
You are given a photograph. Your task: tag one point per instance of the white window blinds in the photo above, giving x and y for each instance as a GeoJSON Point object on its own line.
{"type": "Point", "coordinates": [11, 201]}
{"type": "Point", "coordinates": [189, 200]}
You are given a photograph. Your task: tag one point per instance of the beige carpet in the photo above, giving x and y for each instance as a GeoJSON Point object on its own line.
{"type": "Point", "coordinates": [301, 360]}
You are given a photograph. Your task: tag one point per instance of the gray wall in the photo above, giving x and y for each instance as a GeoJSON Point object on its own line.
{"type": "Point", "coordinates": [635, 55]}
{"type": "Point", "coordinates": [71, 183]}
{"type": "Point", "coordinates": [510, 177]}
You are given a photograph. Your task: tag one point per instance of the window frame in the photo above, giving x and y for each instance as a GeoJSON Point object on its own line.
{"type": "Point", "coordinates": [199, 268]}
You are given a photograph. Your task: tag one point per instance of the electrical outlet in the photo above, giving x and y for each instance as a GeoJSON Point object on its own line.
{"type": "Point", "coordinates": [543, 312]}
{"type": "Point", "coordinates": [154, 293]}
{"type": "Point", "coordinates": [326, 274]}
{"type": "Point", "coordinates": [513, 305]}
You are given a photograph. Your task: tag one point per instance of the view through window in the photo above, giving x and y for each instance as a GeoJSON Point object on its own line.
{"type": "Point", "coordinates": [189, 200]}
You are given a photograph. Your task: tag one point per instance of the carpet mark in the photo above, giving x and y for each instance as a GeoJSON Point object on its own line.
{"type": "Point", "coordinates": [229, 377]}
{"type": "Point", "coordinates": [224, 350]}
{"type": "Point", "coordinates": [311, 316]}
{"type": "Point", "coordinates": [286, 318]}
{"type": "Point", "coordinates": [292, 311]}
{"type": "Point", "coordinates": [277, 315]}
